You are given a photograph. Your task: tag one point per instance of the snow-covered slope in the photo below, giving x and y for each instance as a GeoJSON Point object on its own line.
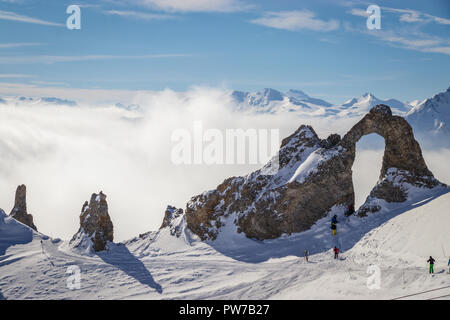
{"type": "Point", "coordinates": [159, 265]}
{"type": "Point", "coordinates": [431, 118]}
{"type": "Point", "coordinates": [274, 102]}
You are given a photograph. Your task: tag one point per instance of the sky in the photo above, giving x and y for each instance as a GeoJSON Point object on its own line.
{"type": "Point", "coordinates": [322, 47]}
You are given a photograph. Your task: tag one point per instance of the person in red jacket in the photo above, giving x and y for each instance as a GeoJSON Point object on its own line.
{"type": "Point", "coordinates": [336, 252]}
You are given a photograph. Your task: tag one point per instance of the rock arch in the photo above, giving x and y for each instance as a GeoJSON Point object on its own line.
{"type": "Point", "coordinates": [311, 177]}
{"type": "Point", "coordinates": [403, 161]}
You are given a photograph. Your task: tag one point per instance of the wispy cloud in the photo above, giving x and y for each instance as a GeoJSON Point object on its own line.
{"type": "Point", "coordinates": [140, 15]}
{"type": "Point", "coordinates": [55, 59]}
{"type": "Point", "coordinates": [15, 76]}
{"type": "Point", "coordinates": [406, 15]}
{"type": "Point", "coordinates": [414, 41]}
{"type": "Point", "coordinates": [411, 16]}
{"type": "Point", "coordinates": [193, 5]}
{"type": "Point", "coordinates": [8, 15]}
{"type": "Point", "coordinates": [18, 44]}
{"type": "Point", "coordinates": [407, 38]}
{"type": "Point", "coordinates": [359, 12]}
{"type": "Point", "coordinates": [295, 21]}
{"type": "Point", "coordinates": [50, 83]}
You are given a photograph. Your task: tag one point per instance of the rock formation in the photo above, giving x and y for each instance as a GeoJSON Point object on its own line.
{"type": "Point", "coordinates": [170, 220]}
{"type": "Point", "coordinates": [96, 228]}
{"type": "Point", "coordinates": [19, 212]}
{"type": "Point", "coordinates": [308, 178]}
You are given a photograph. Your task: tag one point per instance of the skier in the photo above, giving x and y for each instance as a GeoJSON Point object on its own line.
{"type": "Point", "coordinates": [336, 252]}
{"type": "Point", "coordinates": [351, 210]}
{"type": "Point", "coordinates": [306, 255]}
{"type": "Point", "coordinates": [333, 228]}
{"type": "Point", "coordinates": [334, 220]}
{"type": "Point", "coordinates": [431, 261]}
{"type": "Point", "coordinates": [448, 264]}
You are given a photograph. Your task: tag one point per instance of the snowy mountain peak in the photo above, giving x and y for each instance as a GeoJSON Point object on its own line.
{"type": "Point", "coordinates": [273, 101]}
{"type": "Point", "coordinates": [297, 94]}
{"type": "Point", "coordinates": [431, 118]}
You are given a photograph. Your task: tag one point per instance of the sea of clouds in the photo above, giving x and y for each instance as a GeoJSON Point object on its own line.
{"type": "Point", "coordinates": [64, 154]}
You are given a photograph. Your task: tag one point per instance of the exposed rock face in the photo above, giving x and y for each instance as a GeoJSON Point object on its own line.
{"type": "Point", "coordinates": [171, 220]}
{"type": "Point", "coordinates": [19, 212]}
{"type": "Point", "coordinates": [96, 228]}
{"type": "Point", "coordinates": [308, 178]}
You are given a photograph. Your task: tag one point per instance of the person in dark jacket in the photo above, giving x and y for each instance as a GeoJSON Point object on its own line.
{"type": "Point", "coordinates": [334, 220]}
{"type": "Point", "coordinates": [431, 261]}
{"type": "Point", "coordinates": [351, 210]}
{"type": "Point", "coordinates": [333, 229]}
{"type": "Point", "coordinates": [306, 255]}
{"type": "Point", "coordinates": [336, 252]}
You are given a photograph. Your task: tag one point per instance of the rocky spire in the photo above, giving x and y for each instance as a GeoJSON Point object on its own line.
{"type": "Point", "coordinates": [96, 227]}
{"type": "Point", "coordinates": [19, 212]}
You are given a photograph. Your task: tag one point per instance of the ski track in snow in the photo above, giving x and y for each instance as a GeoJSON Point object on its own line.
{"type": "Point", "coordinates": [239, 268]}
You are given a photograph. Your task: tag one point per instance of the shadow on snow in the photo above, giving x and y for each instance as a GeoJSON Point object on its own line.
{"type": "Point", "coordinates": [120, 257]}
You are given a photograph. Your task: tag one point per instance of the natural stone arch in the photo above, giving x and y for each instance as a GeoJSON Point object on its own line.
{"type": "Point", "coordinates": [296, 196]}
{"type": "Point", "coordinates": [402, 153]}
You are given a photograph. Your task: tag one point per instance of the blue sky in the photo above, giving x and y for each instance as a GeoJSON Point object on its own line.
{"type": "Point", "coordinates": [322, 47]}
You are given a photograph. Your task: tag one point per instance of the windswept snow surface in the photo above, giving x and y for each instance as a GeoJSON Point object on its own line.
{"type": "Point", "coordinates": [158, 265]}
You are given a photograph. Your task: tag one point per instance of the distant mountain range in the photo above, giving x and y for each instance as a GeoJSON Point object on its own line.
{"type": "Point", "coordinates": [37, 101]}
{"type": "Point", "coordinates": [273, 101]}
{"type": "Point", "coordinates": [429, 118]}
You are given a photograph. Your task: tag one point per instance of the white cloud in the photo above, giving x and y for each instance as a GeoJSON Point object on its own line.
{"type": "Point", "coordinates": [412, 16]}
{"type": "Point", "coordinates": [18, 44]}
{"type": "Point", "coordinates": [359, 12]}
{"type": "Point", "coordinates": [296, 20]}
{"type": "Point", "coordinates": [63, 154]}
{"type": "Point", "coordinates": [194, 5]}
{"type": "Point", "coordinates": [140, 15]}
{"type": "Point", "coordinates": [55, 59]}
{"type": "Point", "coordinates": [15, 75]}
{"type": "Point", "coordinates": [414, 41]}
{"type": "Point", "coordinates": [7, 15]}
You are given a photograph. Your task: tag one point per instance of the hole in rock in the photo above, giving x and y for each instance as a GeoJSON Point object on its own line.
{"type": "Point", "coordinates": [367, 166]}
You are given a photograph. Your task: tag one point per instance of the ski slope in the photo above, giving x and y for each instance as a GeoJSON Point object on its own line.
{"type": "Point", "coordinates": [161, 266]}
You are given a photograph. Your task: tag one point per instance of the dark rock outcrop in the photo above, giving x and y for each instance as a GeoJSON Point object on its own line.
{"type": "Point", "coordinates": [19, 212]}
{"type": "Point", "coordinates": [308, 178]}
{"type": "Point", "coordinates": [96, 227]}
{"type": "Point", "coordinates": [170, 214]}
{"type": "Point", "coordinates": [172, 222]}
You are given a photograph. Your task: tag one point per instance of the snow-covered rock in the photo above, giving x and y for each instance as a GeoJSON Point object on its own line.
{"type": "Point", "coordinates": [96, 228]}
